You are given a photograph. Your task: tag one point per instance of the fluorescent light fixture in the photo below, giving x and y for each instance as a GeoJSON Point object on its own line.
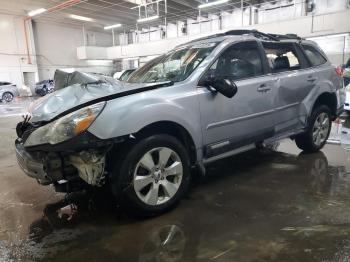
{"type": "Point", "coordinates": [146, 19]}
{"type": "Point", "coordinates": [37, 12]}
{"type": "Point", "coordinates": [82, 18]}
{"type": "Point", "coordinates": [219, 2]}
{"type": "Point", "coordinates": [112, 26]}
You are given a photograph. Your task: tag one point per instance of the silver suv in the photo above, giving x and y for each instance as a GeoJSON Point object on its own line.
{"type": "Point", "coordinates": [203, 101]}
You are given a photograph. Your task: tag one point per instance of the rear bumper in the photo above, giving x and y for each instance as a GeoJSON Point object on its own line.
{"type": "Point", "coordinates": [31, 166]}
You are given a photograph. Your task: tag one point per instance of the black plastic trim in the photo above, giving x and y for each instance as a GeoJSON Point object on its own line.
{"type": "Point", "coordinates": [83, 141]}
{"type": "Point", "coordinates": [232, 144]}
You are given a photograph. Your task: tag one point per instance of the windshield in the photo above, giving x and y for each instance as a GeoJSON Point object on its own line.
{"type": "Point", "coordinates": [175, 66]}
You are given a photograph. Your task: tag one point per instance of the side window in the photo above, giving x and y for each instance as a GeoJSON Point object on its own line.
{"type": "Point", "coordinates": [313, 55]}
{"type": "Point", "coordinates": [239, 61]}
{"type": "Point", "coordinates": [281, 57]}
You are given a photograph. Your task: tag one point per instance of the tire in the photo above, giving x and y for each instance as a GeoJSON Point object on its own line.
{"type": "Point", "coordinates": [44, 91]}
{"type": "Point", "coordinates": [316, 134]}
{"type": "Point", "coordinates": [7, 97]}
{"type": "Point", "coordinates": [157, 191]}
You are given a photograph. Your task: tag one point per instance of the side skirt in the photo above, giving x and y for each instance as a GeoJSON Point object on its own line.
{"type": "Point", "coordinates": [219, 148]}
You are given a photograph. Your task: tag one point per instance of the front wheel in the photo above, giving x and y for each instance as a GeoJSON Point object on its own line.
{"type": "Point", "coordinates": [318, 130]}
{"type": "Point", "coordinates": [152, 175]}
{"type": "Point", "coordinates": [44, 91]}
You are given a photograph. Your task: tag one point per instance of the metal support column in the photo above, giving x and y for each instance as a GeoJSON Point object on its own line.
{"type": "Point", "coordinates": [242, 11]}
{"type": "Point", "coordinates": [84, 36]}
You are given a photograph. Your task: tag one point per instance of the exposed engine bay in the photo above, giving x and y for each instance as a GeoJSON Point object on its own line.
{"type": "Point", "coordinates": [72, 161]}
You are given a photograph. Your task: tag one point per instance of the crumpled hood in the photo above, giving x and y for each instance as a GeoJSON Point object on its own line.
{"type": "Point", "coordinates": [76, 89]}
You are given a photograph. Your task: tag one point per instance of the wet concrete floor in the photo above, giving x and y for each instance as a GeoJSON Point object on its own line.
{"type": "Point", "coordinates": [257, 206]}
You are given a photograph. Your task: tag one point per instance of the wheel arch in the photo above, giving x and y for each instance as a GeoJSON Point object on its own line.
{"type": "Point", "coordinates": [328, 99]}
{"type": "Point", "coordinates": [173, 129]}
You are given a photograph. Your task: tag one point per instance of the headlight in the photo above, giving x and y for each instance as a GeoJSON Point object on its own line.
{"type": "Point", "coordinates": [66, 127]}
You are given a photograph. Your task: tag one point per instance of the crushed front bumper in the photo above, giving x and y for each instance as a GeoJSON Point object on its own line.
{"type": "Point", "coordinates": [31, 166]}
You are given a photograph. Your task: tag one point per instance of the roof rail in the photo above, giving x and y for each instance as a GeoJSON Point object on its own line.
{"type": "Point", "coordinates": [263, 36]}
{"type": "Point", "coordinates": [287, 36]}
{"type": "Point", "coordinates": [254, 33]}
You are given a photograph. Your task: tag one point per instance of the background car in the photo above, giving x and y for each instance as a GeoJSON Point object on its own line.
{"type": "Point", "coordinates": [8, 91]}
{"type": "Point", "coordinates": [44, 87]}
{"type": "Point", "coordinates": [347, 98]}
{"type": "Point", "coordinates": [346, 76]}
{"type": "Point", "coordinates": [123, 75]}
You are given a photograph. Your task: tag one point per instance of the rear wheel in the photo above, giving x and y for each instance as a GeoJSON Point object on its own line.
{"type": "Point", "coordinates": [7, 97]}
{"type": "Point", "coordinates": [152, 175]}
{"type": "Point", "coordinates": [318, 130]}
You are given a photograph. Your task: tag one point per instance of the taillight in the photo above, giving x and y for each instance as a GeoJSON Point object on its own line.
{"type": "Point", "coordinates": [339, 71]}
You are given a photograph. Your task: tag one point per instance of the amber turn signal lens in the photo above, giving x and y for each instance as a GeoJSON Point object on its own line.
{"type": "Point", "coordinates": [83, 124]}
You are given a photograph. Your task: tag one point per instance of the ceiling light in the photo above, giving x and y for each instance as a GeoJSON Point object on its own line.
{"type": "Point", "coordinates": [112, 26]}
{"type": "Point", "coordinates": [219, 2]}
{"type": "Point", "coordinates": [82, 18]}
{"type": "Point", "coordinates": [146, 19]}
{"type": "Point", "coordinates": [37, 11]}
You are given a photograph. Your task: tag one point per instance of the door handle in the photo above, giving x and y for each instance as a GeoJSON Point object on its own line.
{"type": "Point", "coordinates": [311, 79]}
{"type": "Point", "coordinates": [263, 88]}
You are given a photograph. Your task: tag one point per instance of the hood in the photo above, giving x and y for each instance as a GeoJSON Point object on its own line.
{"type": "Point", "coordinates": [77, 89]}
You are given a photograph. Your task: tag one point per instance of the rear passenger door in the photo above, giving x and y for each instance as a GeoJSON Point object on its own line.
{"type": "Point", "coordinates": [289, 69]}
{"type": "Point", "coordinates": [229, 123]}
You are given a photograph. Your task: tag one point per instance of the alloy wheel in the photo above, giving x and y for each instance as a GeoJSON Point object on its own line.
{"type": "Point", "coordinates": [7, 97]}
{"type": "Point", "coordinates": [320, 129]}
{"type": "Point", "coordinates": [157, 176]}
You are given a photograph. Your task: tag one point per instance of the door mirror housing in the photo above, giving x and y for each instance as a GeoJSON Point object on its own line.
{"type": "Point", "coordinates": [224, 86]}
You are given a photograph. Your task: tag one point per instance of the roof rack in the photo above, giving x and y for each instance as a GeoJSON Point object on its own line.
{"type": "Point", "coordinates": [287, 36]}
{"type": "Point", "coordinates": [263, 36]}
{"type": "Point", "coordinates": [255, 33]}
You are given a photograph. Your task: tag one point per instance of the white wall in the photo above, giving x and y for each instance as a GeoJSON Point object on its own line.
{"type": "Point", "coordinates": [307, 26]}
{"type": "Point", "coordinates": [337, 47]}
{"type": "Point", "coordinates": [325, 6]}
{"type": "Point", "coordinates": [56, 47]}
{"type": "Point", "coordinates": [13, 52]}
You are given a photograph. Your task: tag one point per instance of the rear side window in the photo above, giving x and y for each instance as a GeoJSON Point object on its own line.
{"type": "Point", "coordinates": [239, 61]}
{"type": "Point", "coordinates": [281, 57]}
{"type": "Point", "coordinates": [313, 55]}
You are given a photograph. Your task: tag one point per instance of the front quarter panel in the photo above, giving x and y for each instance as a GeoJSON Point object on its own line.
{"type": "Point", "coordinates": [129, 114]}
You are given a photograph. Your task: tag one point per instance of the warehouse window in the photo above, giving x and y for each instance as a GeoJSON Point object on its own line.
{"type": "Point", "coordinates": [240, 61]}
{"type": "Point", "coordinates": [313, 55]}
{"type": "Point", "coordinates": [281, 57]}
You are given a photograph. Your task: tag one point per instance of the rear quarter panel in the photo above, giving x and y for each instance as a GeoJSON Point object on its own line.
{"type": "Point", "coordinates": [327, 82]}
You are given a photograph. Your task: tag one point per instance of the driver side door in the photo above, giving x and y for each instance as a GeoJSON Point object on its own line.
{"type": "Point", "coordinates": [247, 117]}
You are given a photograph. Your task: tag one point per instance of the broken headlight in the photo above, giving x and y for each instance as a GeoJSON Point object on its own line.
{"type": "Point", "coordinates": [65, 127]}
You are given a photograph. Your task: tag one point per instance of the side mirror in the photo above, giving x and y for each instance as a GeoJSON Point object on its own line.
{"type": "Point", "coordinates": [225, 87]}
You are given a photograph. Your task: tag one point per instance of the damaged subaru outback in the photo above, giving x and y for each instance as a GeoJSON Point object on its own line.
{"type": "Point", "coordinates": [203, 101]}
